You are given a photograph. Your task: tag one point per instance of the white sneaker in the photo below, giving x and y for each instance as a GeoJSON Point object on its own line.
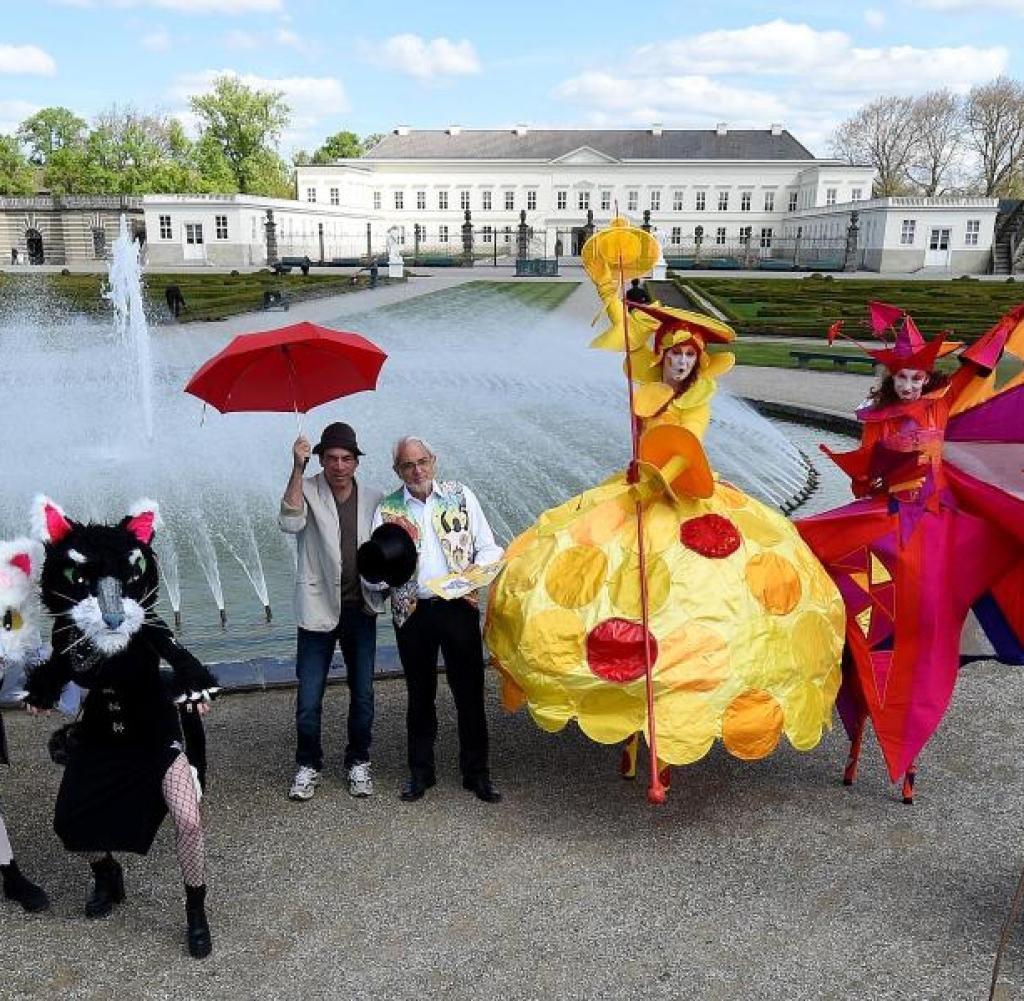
{"type": "Point", "coordinates": [304, 783]}
{"type": "Point", "coordinates": [359, 781]}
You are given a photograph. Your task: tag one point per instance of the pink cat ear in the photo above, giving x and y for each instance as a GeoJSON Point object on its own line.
{"type": "Point", "coordinates": [23, 562]}
{"type": "Point", "coordinates": [143, 520]}
{"type": "Point", "coordinates": [49, 522]}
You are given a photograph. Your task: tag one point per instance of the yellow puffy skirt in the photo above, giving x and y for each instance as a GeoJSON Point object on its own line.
{"type": "Point", "coordinates": [746, 627]}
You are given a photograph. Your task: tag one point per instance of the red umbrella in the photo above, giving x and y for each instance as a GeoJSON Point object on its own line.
{"type": "Point", "coordinates": [293, 368]}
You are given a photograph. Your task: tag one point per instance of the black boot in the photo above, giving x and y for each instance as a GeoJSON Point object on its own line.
{"type": "Point", "coordinates": [22, 890]}
{"type": "Point", "coordinates": [200, 944]}
{"type": "Point", "coordinates": [109, 889]}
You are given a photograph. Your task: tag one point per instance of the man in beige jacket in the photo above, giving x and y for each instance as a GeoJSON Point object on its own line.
{"type": "Point", "coordinates": [330, 515]}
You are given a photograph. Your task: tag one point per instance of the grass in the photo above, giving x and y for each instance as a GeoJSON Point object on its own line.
{"type": "Point", "coordinates": [207, 296]}
{"type": "Point", "coordinates": [806, 307]}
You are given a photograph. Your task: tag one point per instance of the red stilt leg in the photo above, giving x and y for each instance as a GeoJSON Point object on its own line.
{"type": "Point", "coordinates": [664, 774]}
{"type": "Point", "coordinates": [908, 784]}
{"type": "Point", "coordinates": [850, 771]}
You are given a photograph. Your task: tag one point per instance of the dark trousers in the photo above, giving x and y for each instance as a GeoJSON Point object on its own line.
{"type": "Point", "coordinates": [357, 635]}
{"type": "Point", "coordinates": [453, 628]}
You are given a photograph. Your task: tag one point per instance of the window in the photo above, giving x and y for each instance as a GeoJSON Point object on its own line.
{"type": "Point", "coordinates": [720, 236]}
{"type": "Point", "coordinates": [442, 234]}
{"type": "Point", "coordinates": [421, 199]}
{"type": "Point", "coordinates": [632, 201]}
{"type": "Point", "coordinates": [508, 234]}
{"type": "Point", "coordinates": [855, 194]}
{"type": "Point", "coordinates": [510, 201]}
{"type": "Point", "coordinates": [973, 230]}
{"type": "Point", "coordinates": [769, 201]}
{"type": "Point", "coordinates": [99, 242]}
{"type": "Point", "coordinates": [830, 196]}
{"type": "Point", "coordinates": [399, 199]}
{"type": "Point", "coordinates": [583, 200]}
{"type": "Point", "coordinates": [531, 200]}
{"type": "Point", "coordinates": [464, 199]}
{"type": "Point", "coordinates": [561, 199]}
{"type": "Point", "coordinates": [334, 196]}
{"type": "Point", "coordinates": [745, 233]}
{"type": "Point", "coordinates": [792, 200]}
{"type": "Point", "coordinates": [194, 232]}
{"type": "Point", "coordinates": [310, 194]}
{"type": "Point", "coordinates": [677, 235]}
{"type": "Point", "coordinates": [221, 224]}
{"type": "Point", "coordinates": [701, 200]}
{"type": "Point", "coordinates": [655, 201]}
{"type": "Point", "coordinates": [723, 201]}
{"type": "Point", "coordinates": [907, 232]}
{"type": "Point", "coordinates": [485, 201]}
{"type": "Point", "coordinates": [376, 199]}
{"type": "Point", "coordinates": [766, 237]}
{"type": "Point", "coordinates": [606, 201]}
{"type": "Point", "coordinates": [677, 201]}
{"type": "Point", "coordinates": [488, 234]}
{"type": "Point", "coordinates": [442, 200]}
{"type": "Point", "coordinates": [745, 201]}
{"type": "Point", "coordinates": [165, 227]}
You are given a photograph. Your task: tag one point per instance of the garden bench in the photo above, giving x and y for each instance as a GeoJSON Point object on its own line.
{"type": "Point", "coordinates": [840, 361]}
{"type": "Point", "coordinates": [273, 299]}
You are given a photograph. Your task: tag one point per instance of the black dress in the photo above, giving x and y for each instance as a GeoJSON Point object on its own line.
{"type": "Point", "coordinates": [129, 733]}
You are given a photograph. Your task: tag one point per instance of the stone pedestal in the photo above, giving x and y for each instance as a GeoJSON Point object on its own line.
{"type": "Point", "coordinates": [396, 267]}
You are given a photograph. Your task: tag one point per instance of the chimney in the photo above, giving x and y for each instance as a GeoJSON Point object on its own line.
{"type": "Point", "coordinates": [402, 130]}
{"type": "Point", "coordinates": [656, 129]}
{"type": "Point", "coordinates": [454, 130]}
{"type": "Point", "coordinates": [776, 129]}
{"type": "Point", "coordinates": [521, 130]}
{"type": "Point", "coordinates": [721, 129]}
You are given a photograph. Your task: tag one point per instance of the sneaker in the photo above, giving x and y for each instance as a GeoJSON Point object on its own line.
{"type": "Point", "coordinates": [304, 783]}
{"type": "Point", "coordinates": [359, 781]}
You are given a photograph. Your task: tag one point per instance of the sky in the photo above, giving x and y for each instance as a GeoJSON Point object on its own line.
{"type": "Point", "coordinates": [370, 67]}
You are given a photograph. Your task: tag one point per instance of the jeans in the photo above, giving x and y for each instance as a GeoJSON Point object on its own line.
{"type": "Point", "coordinates": [357, 635]}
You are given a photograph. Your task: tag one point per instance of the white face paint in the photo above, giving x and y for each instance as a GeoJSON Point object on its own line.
{"type": "Point", "coordinates": [678, 363]}
{"type": "Point", "coordinates": [89, 619]}
{"type": "Point", "coordinates": [909, 383]}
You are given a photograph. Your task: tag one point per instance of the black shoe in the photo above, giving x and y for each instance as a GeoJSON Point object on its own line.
{"type": "Point", "coordinates": [22, 890]}
{"type": "Point", "coordinates": [414, 788]}
{"type": "Point", "coordinates": [482, 789]}
{"type": "Point", "coordinates": [109, 889]}
{"type": "Point", "coordinates": [200, 942]}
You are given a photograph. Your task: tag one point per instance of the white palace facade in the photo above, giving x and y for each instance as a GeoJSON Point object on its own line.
{"type": "Point", "coordinates": [705, 193]}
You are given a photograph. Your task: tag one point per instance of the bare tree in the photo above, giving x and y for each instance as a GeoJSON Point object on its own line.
{"type": "Point", "coordinates": [882, 133]}
{"type": "Point", "coordinates": [938, 124]}
{"type": "Point", "coordinates": [994, 116]}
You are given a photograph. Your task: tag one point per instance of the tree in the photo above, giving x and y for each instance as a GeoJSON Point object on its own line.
{"type": "Point", "coordinates": [938, 126]}
{"type": "Point", "coordinates": [341, 146]}
{"type": "Point", "coordinates": [994, 115]}
{"type": "Point", "coordinates": [245, 124]}
{"type": "Point", "coordinates": [882, 134]}
{"type": "Point", "coordinates": [72, 170]}
{"type": "Point", "coordinates": [371, 140]}
{"type": "Point", "coordinates": [16, 174]}
{"type": "Point", "coordinates": [49, 130]}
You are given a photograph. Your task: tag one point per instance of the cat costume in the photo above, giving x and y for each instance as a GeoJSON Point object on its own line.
{"type": "Point", "coordinates": [126, 760]}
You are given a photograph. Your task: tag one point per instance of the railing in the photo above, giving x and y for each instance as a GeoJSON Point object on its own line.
{"type": "Point", "coordinates": [51, 202]}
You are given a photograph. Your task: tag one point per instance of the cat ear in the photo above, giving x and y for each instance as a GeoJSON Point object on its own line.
{"type": "Point", "coordinates": [25, 555]}
{"type": "Point", "coordinates": [49, 522]}
{"type": "Point", "coordinates": [143, 520]}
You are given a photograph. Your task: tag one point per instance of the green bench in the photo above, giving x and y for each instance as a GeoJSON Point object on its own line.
{"type": "Point", "coordinates": [840, 361]}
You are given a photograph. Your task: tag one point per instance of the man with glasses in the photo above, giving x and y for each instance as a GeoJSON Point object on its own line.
{"type": "Point", "coordinates": [450, 532]}
{"type": "Point", "coordinates": [329, 514]}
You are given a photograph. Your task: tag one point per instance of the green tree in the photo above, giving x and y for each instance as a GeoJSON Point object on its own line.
{"type": "Point", "coordinates": [371, 140]}
{"type": "Point", "coordinates": [75, 171]}
{"type": "Point", "coordinates": [246, 125]}
{"type": "Point", "coordinates": [341, 146]}
{"type": "Point", "coordinates": [16, 174]}
{"type": "Point", "coordinates": [49, 130]}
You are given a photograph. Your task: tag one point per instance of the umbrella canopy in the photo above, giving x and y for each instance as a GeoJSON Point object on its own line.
{"type": "Point", "coordinates": [293, 368]}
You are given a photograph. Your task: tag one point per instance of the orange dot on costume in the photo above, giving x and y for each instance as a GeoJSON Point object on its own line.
{"type": "Point", "coordinates": [774, 581]}
{"type": "Point", "coordinates": [693, 658]}
{"type": "Point", "coordinates": [615, 650]}
{"type": "Point", "coordinates": [575, 576]}
{"type": "Point", "coordinates": [752, 725]}
{"type": "Point", "coordinates": [710, 535]}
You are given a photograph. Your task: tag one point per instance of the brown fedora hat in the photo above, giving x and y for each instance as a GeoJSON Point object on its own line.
{"type": "Point", "coordinates": [337, 435]}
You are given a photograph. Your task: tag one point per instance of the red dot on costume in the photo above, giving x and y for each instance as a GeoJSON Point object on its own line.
{"type": "Point", "coordinates": [710, 535]}
{"type": "Point", "coordinates": [615, 650]}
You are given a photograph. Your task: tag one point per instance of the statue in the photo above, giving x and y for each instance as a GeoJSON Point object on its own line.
{"type": "Point", "coordinates": [396, 266]}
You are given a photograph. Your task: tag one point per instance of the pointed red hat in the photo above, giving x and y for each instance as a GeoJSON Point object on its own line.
{"type": "Point", "coordinates": [911, 350]}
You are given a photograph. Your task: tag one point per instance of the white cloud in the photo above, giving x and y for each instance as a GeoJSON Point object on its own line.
{"type": "Point", "coordinates": [26, 60]}
{"type": "Point", "coordinates": [423, 58]}
{"type": "Point", "coordinates": [13, 112]}
{"type": "Point", "coordinates": [157, 41]}
{"type": "Point", "coordinates": [874, 18]}
{"type": "Point", "coordinates": [241, 39]}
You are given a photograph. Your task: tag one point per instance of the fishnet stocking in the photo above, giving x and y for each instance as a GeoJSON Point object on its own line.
{"type": "Point", "coordinates": [180, 795]}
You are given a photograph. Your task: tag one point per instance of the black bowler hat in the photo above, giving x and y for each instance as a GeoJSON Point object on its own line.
{"type": "Point", "coordinates": [389, 555]}
{"type": "Point", "coordinates": [337, 435]}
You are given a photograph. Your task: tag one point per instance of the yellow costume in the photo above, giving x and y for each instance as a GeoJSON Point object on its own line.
{"type": "Point", "coordinates": [745, 628]}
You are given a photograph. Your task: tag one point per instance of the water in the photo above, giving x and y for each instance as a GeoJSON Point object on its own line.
{"type": "Point", "coordinates": [511, 398]}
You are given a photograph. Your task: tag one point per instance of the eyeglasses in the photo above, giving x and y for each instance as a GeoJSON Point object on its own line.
{"type": "Point", "coordinates": [408, 467]}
